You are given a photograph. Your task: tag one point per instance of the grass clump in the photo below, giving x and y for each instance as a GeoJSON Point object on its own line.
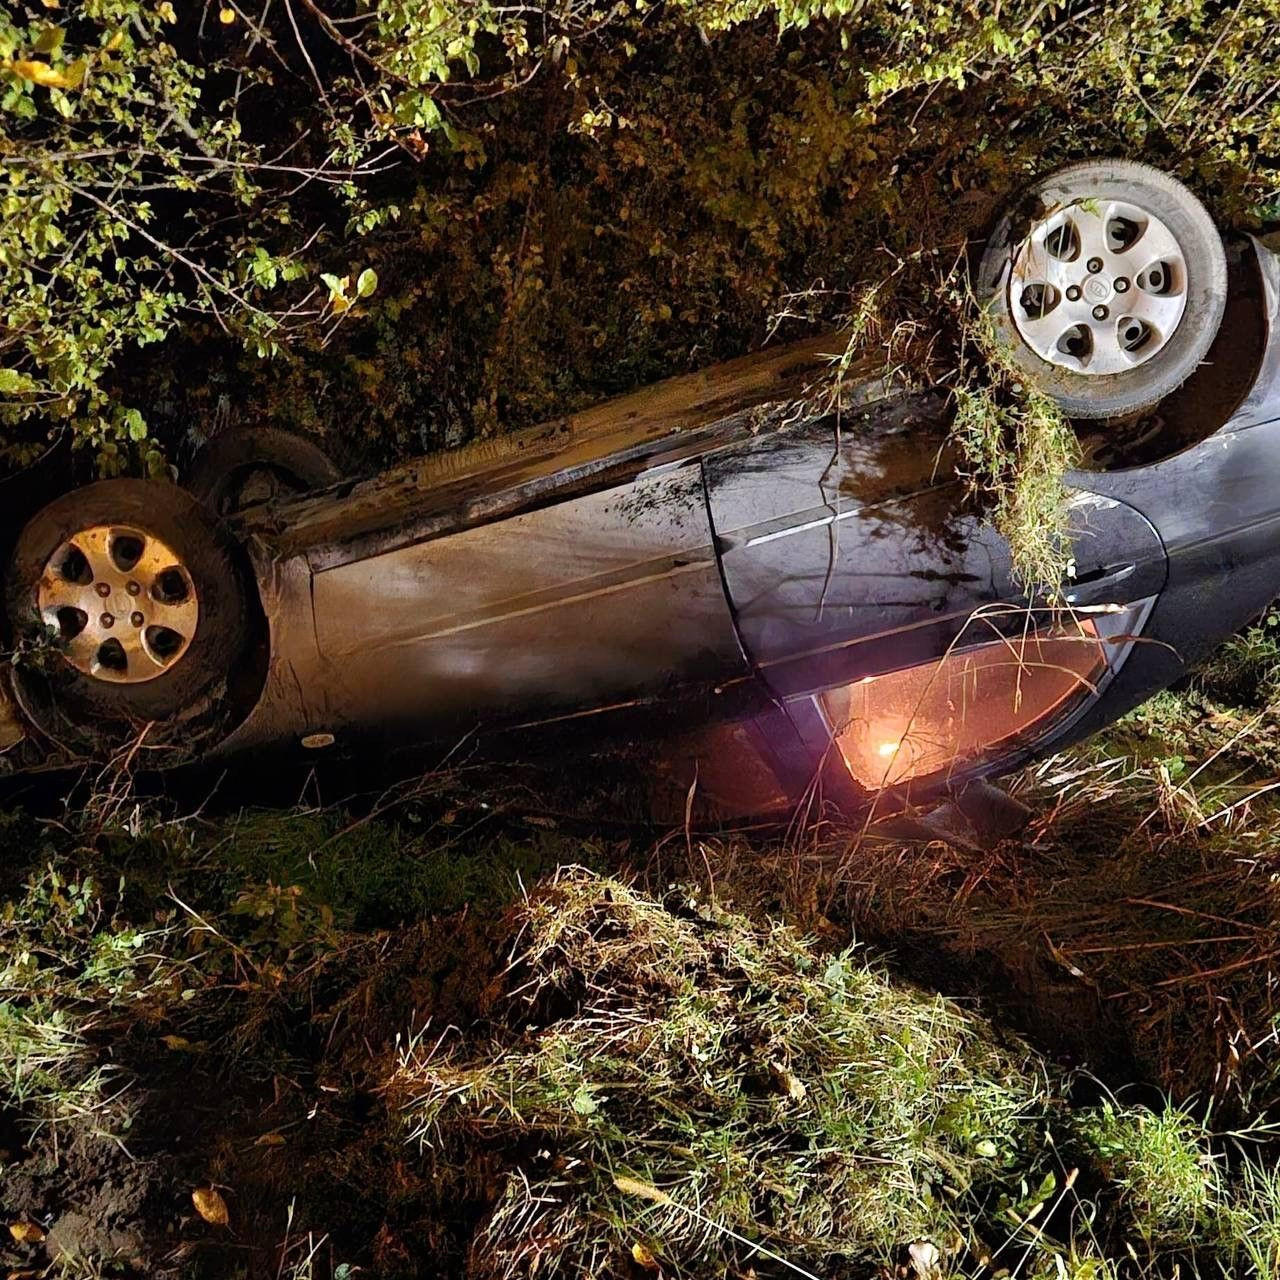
{"type": "Point", "coordinates": [70, 972]}
{"type": "Point", "coordinates": [1018, 451]}
{"type": "Point", "coordinates": [1159, 1162]}
{"type": "Point", "coordinates": [1017, 444]}
{"type": "Point", "coordinates": [673, 1083]}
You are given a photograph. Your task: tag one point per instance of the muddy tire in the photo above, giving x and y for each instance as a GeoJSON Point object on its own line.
{"type": "Point", "coordinates": [1106, 286]}
{"type": "Point", "coordinates": [136, 612]}
{"type": "Point", "coordinates": [248, 465]}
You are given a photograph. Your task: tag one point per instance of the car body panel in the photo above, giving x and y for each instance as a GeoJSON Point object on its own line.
{"type": "Point", "coordinates": [851, 553]}
{"type": "Point", "coordinates": [544, 612]}
{"type": "Point", "coordinates": [595, 449]}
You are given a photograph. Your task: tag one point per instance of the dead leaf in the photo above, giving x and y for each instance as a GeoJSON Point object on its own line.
{"type": "Point", "coordinates": [210, 1206]}
{"type": "Point", "coordinates": [925, 1259]}
{"type": "Point", "coordinates": [176, 1042]}
{"type": "Point", "coordinates": [270, 1140]}
{"type": "Point", "coordinates": [26, 1232]}
{"type": "Point", "coordinates": [644, 1256]}
{"type": "Point", "coordinates": [788, 1082]}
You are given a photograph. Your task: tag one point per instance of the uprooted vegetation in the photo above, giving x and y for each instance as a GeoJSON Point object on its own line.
{"type": "Point", "coordinates": [710, 1094]}
{"type": "Point", "coordinates": [668, 1085]}
{"type": "Point", "coordinates": [416, 1038]}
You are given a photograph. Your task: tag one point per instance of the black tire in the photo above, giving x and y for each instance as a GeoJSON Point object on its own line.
{"type": "Point", "coordinates": [1120, 394]}
{"type": "Point", "coordinates": [185, 700]}
{"type": "Point", "coordinates": [275, 462]}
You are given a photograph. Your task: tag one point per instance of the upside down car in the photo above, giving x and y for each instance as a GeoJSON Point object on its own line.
{"type": "Point", "coordinates": [799, 572]}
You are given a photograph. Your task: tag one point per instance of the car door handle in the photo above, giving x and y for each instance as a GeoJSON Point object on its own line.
{"type": "Point", "coordinates": [1105, 575]}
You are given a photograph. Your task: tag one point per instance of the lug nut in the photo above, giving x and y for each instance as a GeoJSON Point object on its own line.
{"type": "Point", "coordinates": [1094, 265]}
{"type": "Point", "coordinates": [1100, 313]}
{"type": "Point", "coordinates": [137, 619]}
{"type": "Point", "coordinates": [1122, 284]}
{"type": "Point", "coordinates": [107, 620]}
{"type": "Point", "coordinates": [1073, 293]}
{"type": "Point", "coordinates": [132, 588]}
{"type": "Point", "coordinates": [103, 589]}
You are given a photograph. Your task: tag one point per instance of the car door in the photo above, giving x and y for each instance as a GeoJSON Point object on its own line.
{"type": "Point", "coordinates": [874, 597]}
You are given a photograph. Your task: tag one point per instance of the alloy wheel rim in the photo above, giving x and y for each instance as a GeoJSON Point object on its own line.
{"type": "Point", "coordinates": [1098, 287]}
{"type": "Point", "coordinates": [121, 602]}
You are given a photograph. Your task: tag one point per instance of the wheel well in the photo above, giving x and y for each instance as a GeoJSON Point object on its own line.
{"type": "Point", "coordinates": [1208, 398]}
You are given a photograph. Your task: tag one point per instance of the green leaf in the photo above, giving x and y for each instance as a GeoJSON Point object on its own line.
{"type": "Point", "coordinates": [337, 286]}
{"type": "Point", "coordinates": [13, 382]}
{"type": "Point", "coordinates": [584, 1103]}
{"type": "Point", "coordinates": [366, 282]}
{"type": "Point", "coordinates": [50, 40]}
{"type": "Point", "coordinates": [135, 424]}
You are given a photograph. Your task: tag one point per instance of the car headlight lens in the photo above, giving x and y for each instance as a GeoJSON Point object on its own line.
{"type": "Point", "coordinates": [977, 701]}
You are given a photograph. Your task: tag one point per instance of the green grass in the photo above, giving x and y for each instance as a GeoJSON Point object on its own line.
{"type": "Point", "coordinates": [1159, 1163]}
{"type": "Point", "coordinates": [467, 1050]}
{"type": "Point", "coordinates": [375, 873]}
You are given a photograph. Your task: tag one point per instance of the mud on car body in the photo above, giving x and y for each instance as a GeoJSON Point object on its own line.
{"type": "Point", "coordinates": [797, 591]}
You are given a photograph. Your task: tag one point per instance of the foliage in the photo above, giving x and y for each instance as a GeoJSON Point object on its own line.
{"type": "Point", "coordinates": [113, 174]}
{"type": "Point", "coordinates": [553, 209]}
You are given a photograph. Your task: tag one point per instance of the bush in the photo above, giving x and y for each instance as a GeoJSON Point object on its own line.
{"type": "Point", "coordinates": [523, 215]}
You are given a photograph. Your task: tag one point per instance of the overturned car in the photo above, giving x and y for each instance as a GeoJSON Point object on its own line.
{"type": "Point", "coordinates": [804, 579]}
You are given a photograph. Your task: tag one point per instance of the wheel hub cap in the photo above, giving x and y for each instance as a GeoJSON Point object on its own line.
{"type": "Point", "coordinates": [121, 602]}
{"type": "Point", "coordinates": [1098, 287]}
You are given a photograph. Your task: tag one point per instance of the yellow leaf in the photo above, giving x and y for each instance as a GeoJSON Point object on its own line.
{"type": "Point", "coordinates": [165, 10]}
{"type": "Point", "coordinates": [42, 73]}
{"type": "Point", "coordinates": [210, 1206]}
{"type": "Point", "coordinates": [226, 16]}
{"type": "Point", "coordinates": [634, 1187]}
{"type": "Point", "coordinates": [116, 41]}
{"type": "Point", "coordinates": [26, 1232]}
{"type": "Point", "coordinates": [642, 1254]}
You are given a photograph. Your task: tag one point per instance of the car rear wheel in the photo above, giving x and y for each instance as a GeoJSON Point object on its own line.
{"type": "Point", "coordinates": [135, 610]}
{"type": "Point", "coordinates": [1107, 287]}
{"type": "Point", "coordinates": [248, 465]}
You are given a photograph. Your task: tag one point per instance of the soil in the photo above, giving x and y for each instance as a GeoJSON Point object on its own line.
{"type": "Point", "coordinates": [307, 1141]}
